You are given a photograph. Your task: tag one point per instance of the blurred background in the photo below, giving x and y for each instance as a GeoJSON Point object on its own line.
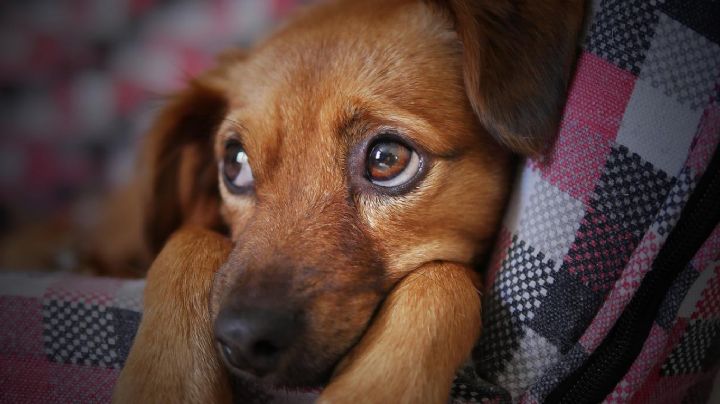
{"type": "Point", "coordinates": [79, 83]}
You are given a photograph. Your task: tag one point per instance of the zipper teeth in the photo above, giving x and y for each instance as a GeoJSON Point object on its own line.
{"type": "Point", "coordinates": [606, 366]}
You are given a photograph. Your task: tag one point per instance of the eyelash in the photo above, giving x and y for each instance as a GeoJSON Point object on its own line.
{"type": "Point", "coordinates": [357, 170]}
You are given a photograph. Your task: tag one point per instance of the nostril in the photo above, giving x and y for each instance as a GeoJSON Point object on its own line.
{"type": "Point", "coordinates": [265, 348]}
{"type": "Point", "coordinates": [254, 340]}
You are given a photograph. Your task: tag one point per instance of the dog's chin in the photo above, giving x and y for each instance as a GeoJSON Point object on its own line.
{"type": "Point", "coordinates": [292, 376]}
{"type": "Point", "coordinates": [280, 382]}
{"type": "Point", "coordinates": [283, 381]}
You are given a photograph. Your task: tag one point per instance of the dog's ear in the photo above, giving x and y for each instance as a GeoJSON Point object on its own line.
{"type": "Point", "coordinates": [181, 173]}
{"type": "Point", "coordinates": [517, 58]}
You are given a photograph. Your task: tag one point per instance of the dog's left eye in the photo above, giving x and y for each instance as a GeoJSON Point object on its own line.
{"type": "Point", "coordinates": [390, 163]}
{"type": "Point", "coordinates": [236, 169]}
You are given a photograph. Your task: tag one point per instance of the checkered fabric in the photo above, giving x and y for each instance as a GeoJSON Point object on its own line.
{"type": "Point", "coordinates": [587, 220]}
{"type": "Point", "coordinates": [64, 338]}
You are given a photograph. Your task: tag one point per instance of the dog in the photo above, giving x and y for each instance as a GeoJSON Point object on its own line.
{"type": "Point", "coordinates": [359, 160]}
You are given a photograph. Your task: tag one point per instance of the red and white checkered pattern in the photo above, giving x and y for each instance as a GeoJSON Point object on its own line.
{"type": "Point", "coordinates": [639, 128]}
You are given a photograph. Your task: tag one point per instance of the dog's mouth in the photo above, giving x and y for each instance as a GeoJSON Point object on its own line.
{"type": "Point", "coordinates": [281, 349]}
{"type": "Point", "coordinates": [247, 388]}
{"type": "Point", "coordinates": [289, 326]}
{"type": "Point", "coordinates": [275, 379]}
{"type": "Point", "coordinates": [307, 362]}
{"type": "Point", "coordinates": [297, 369]}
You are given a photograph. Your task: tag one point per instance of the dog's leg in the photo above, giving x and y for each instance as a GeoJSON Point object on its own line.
{"type": "Point", "coordinates": [173, 358]}
{"type": "Point", "coordinates": [423, 332]}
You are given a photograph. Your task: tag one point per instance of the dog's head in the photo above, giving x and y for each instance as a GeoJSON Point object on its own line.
{"type": "Point", "coordinates": [362, 140]}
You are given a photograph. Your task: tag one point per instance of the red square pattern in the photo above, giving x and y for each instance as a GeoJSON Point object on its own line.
{"type": "Point", "coordinates": [706, 140]}
{"type": "Point", "coordinates": [595, 106]}
{"type": "Point", "coordinates": [708, 307]}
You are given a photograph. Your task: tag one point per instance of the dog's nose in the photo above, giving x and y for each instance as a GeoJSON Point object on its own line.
{"type": "Point", "coordinates": [255, 339]}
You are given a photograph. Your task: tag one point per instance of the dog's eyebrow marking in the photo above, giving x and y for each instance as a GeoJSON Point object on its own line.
{"type": "Point", "coordinates": [351, 121]}
{"type": "Point", "coordinates": [236, 124]}
{"type": "Point", "coordinates": [357, 118]}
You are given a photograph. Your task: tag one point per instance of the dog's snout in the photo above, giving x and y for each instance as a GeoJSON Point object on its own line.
{"type": "Point", "coordinates": [255, 339]}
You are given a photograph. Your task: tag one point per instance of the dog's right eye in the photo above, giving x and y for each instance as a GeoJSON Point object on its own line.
{"type": "Point", "coordinates": [235, 168]}
{"type": "Point", "coordinates": [391, 164]}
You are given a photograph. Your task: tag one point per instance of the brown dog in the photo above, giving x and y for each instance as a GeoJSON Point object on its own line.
{"type": "Point", "coordinates": [360, 159]}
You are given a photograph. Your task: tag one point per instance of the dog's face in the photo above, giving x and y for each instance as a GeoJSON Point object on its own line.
{"type": "Point", "coordinates": [346, 161]}
{"type": "Point", "coordinates": [345, 151]}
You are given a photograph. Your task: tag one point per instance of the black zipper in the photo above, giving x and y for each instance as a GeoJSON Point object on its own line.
{"type": "Point", "coordinates": [605, 367]}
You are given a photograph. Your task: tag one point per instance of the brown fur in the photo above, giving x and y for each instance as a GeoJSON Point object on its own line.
{"type": "Point", "coordinates": [176, 362]}
{"type": "Point", "coordinates": [513, 89]}
{"type": "Point", "coordinates": [368, 270]}
{"type": "Point", "coordinates": [425, 329]}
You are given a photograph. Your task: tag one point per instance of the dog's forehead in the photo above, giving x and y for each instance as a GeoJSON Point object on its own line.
{"type": "Point", "coordinates": [352, 49]}
{"type": "Point", "coordinates": [323, 67]}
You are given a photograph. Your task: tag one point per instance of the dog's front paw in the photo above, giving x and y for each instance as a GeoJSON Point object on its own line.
{"type": "Point", "coordinates": [423, 332]}
{"type": "Point", "coordinates": [173, 358]}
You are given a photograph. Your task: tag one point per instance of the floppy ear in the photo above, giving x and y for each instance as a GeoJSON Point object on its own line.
{"type": "Point", "coordinates": [182, 185]}
{"type": "Point", "coordinates": [517, 58]}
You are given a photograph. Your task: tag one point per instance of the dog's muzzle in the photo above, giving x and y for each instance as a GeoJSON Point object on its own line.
{"type": "Point", "coordinates": [254, 338]}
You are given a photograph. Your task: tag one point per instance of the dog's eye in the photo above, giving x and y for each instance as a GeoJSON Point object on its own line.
{"type": "Point", "coordinates": [390, 164]}
{"type": "Point", "coordinates": [236, 169]}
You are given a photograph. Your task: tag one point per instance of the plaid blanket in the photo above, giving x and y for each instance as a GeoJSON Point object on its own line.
{"type": "Point", "coordinates": [589, 219]}
{"type": "Point", "coordinates": [64, 338]}
{"type": "Point", "coordinates": [583, 230]}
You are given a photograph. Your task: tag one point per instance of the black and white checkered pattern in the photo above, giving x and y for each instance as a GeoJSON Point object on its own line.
{"type": "Point", "coordinates": [683, 63]}
{"type": "Point", "coordinates": [621, 32]}
{"type": "Point", "coordinates": [81, 334]}
{"type": "Point", "coordinates": [532, 357]}
{"type": "Point", "coordinates": [630, 190]}
{"type": "Point", "coordinates": [523, 283]}
{"type": "Point", "coordinates": [670, 211]}
{"type": "Point", "coordinates": [551, 220]}
{"type": "Point", "coordinates": [691, 354]}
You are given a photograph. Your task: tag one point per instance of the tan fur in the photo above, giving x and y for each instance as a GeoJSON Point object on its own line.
{"type": "Point", "coordinates": [424, 331]}
{"type": "Point", "coordinates": [384, 281]}
{"type": "Point", "coordinates": [427, 325]}
{"type": "Point", "coordinates": [173, 356]}
{"type": "Point", "coordinates": [300, 120]}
